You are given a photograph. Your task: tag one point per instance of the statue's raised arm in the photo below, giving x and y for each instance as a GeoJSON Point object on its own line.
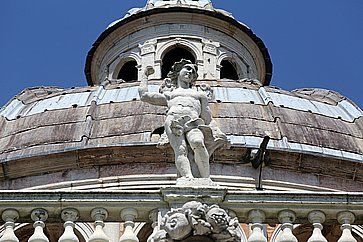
{"type": "Point", "coordinates": [189, 126]}
{"type": "Point", "coordinates": [150, 97]}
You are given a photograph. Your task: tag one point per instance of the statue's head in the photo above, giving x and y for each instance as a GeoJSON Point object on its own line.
{"type": "Point", "coordinates": [184, 71]}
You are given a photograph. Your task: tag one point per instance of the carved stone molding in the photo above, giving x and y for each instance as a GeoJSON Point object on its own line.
{"type": "Point", "coordinates": [148, 47]}
{"type": "Point", "coordinates": [177, 196]}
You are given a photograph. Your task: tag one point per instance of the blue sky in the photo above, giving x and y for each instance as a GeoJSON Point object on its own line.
{"type": "Point", "coordinates": [312, 43]}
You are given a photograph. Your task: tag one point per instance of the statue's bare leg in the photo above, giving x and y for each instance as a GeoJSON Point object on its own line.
{"type": "Point", "coordinates": [181, 156]}
{"type": "Point", "coordinates": [179, 145]}
{"type": "Point", "coordinates": [196, 141]}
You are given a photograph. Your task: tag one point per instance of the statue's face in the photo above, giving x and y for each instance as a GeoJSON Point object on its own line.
{"type": "Point", "coordinates": [188, 73]}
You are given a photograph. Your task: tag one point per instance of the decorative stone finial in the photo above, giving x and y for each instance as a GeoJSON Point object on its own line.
{"type": "Point", "coordinates": [39, 216]}
{"type": "Point", "coordinates": [99, 215]}
{"type": "Point", "coordinates": [287, 217]}
{"type": "Point", "coordinates": [257, 217]}
{"type": "Point", "coordinates": [346, 218]}
{"type": "Point", "coordinates": [129, 215]}
{"type": "Point", "coordinates": [69, 215]}
{"type": "Point", "coordinates": [9, 216]}
{"type": "Point", "coordinates": [317, 218]}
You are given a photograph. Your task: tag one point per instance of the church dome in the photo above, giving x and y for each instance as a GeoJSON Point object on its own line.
{"type": "Point", "coordinates": [50, 130]}
{"type": "Point", "coordinates": [225, 157]}
{"type": "Point", "coordinates": [103, 130]}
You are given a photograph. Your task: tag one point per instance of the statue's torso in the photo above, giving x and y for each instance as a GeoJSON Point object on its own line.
{"type": "Point", "coordinates": [184, 102]}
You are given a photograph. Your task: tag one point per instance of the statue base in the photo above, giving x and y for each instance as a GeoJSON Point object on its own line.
{"type": "Point", "coordinates": [195, 182]}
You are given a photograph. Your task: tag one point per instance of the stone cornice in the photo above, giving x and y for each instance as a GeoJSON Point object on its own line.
{"type": "Point", "coordinates": [144, 202]}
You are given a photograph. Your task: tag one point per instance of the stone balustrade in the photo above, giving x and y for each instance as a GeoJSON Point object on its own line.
{"type": "Point", "coordinates": [255, 208]}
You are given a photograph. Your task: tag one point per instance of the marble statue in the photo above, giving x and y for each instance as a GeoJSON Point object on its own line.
{"type": "Point", "coordinates": [189, 126]}
{"type": "Point", "coordinates": [196, 219]}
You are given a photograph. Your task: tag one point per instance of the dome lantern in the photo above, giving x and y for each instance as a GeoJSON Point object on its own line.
{"type": "Point", "coordinates": [195, 3]}
{"type": "Point", "coordinates": [164, 32]}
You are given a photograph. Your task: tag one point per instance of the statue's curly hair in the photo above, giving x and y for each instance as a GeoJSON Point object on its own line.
{"type": "Point", "coordinates": [177, 67]}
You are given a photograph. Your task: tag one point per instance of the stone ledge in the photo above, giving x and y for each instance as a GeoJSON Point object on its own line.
{"type": "Point", "coordinates": [144, 202]}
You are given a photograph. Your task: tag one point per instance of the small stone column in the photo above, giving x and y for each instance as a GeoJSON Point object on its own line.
{"type": "Point", "coordinates": [317, 218]}
{"type": "Point", "coordinates": [69, 215]}
{"type": "Point", "coordinates": [129, 215]}
{"type": "Point", "coordinates": [286, 218]}
{"type": "Point", "coordinates": [9, 216]}
{"type": "Point", "coordinates": [257, 217]}
{"type": "Point", "coordinates": [153, 217]}
{"type": "Point", "coordinates": [39, 216]}
{"type": "Point", "coordinates": [99, 215]}
{"type": "Point", "coordinates": [346, 219]}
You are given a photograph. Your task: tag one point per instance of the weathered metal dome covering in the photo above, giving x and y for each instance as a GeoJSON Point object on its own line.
{"type": "Point", "coordinates": [48, 129]}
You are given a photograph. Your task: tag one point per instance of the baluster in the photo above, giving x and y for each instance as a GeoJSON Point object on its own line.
{"type": "Point", "coordinates": [128, 215]}
{"type": "Point", "coordinates": [346, 219]}
{"type": "Point", "coordinates": [39, 216]}
{"type": "Point", "coordinates": [99, 215]}
{"type": "Point", "coordinates": [154, 218]}
{"type": "Point", "coordinates": [9, 216]}
{"type": "Point", "coordinates": [257, 217]}
{"type": "Point", "coordinates": [69, 215]}
{"type": "Point", "coordinates": [286, 218]}
{"type": "Point", "coordinates": [317, 218]}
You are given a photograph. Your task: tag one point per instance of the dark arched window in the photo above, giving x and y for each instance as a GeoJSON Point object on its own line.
{"type": "Point", "coordinates": [228, 70]}
{"type": "Point", "coordinates": [174, 55]}
{"type": "Point", "coordinates": [128, 71]}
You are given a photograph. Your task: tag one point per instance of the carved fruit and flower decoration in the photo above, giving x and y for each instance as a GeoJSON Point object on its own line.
{"type": "Point", "coordinates": [196, 219]}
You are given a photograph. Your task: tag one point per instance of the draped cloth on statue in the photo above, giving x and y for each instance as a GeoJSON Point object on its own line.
{"type": "Point", "coordinates": [213, 137]}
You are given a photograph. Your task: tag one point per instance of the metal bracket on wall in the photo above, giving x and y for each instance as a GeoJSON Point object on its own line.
{"type": "Point", "coordinates": [256, 157]}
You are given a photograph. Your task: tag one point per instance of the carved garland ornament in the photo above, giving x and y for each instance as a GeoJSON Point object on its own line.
{"type": "Point", "coordinates": [196, 219]}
